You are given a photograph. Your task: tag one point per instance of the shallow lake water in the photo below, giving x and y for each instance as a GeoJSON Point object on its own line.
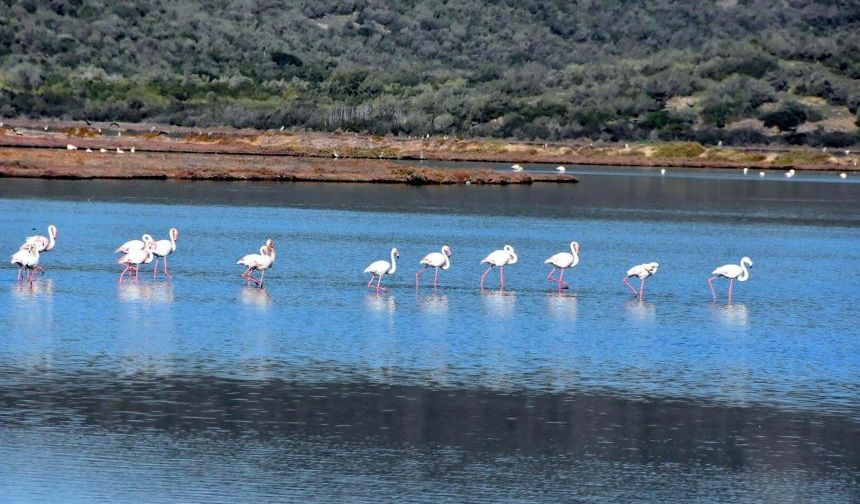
{"type": "Point", "coordinates": [201, 389]}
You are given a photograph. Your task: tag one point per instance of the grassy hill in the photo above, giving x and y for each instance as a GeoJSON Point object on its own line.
{"type": "Point", "coordinates": [734, 71]}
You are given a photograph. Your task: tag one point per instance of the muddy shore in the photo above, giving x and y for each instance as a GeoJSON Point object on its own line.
{"type": "Point", "coordinates": [39, 149]}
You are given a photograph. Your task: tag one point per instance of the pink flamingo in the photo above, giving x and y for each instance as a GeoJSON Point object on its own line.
{"type": "Point", "coordinates": [164, 248]}
{"type": "Point", "coordinates": [133, 259]}
{"type": "Point", "coordinates": [26, 258]}
{"type": "Point", "coordinates": [42, 243]}
{"type": "Point", "coordinates": [258, 262]}
{"type": "Point", "coordinates": [641, 271]}
{"type": "Point", "coordinates": [733, 272]}
{"type": "Point", "coordinates": [562, 261]}
{"type": "Point", "coordinates": [435, 260]}
{"type": "Point", "coordinates": [380, 268]}
{"type": "Point", "coordinates": [500, 259]}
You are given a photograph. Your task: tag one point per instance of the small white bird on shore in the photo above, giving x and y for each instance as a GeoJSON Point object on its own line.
{"type": "Point", "coordinates": [103, 151]}
{"type": "Point", "coordinates": [662, 171]}
{"type": "Point", "coordinates": [119, 151]}
{"type": "Point", "coordinates": [560, 169]}
{"type": "Point", "coordinates": [516, 168]}
{"type": "Point", "coordinates": [761, 174]}
{"type": "Point", "coordinates": [71, 147]}
{"type": "Point", "coordinates": [132, 150]}
{"type": "Point", "coordinates": [89, 150]}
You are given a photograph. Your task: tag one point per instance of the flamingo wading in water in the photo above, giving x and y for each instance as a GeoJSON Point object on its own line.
{"type": "Point", "coordinates": [435, 260]}
{"type": "Point", "coordinates": [258, 262]}
{"type": "Point", "coordinates": [26, 258]}
{"type": "Point", "coordinates": [562, 261]}
{"type": "Point", "coordinates": [641, 271]}
{"type": "Point", "coordinates": [500, 259]}
{"type": "Point", "coordinates": [42, 243]}
{"type": "Point", "coordinates": [134, 258]}
{"type": "Point", "coordinates": [733, 272]}
{"type": "Point", "coordinates": [380, 268]}
{"type": "Point", "coordinates": [164, 248]}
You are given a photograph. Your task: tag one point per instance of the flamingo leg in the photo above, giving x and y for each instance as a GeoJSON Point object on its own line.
{"type": "Point", "coordinates": [378, 283]}
{"type": "Point", "coordinates": [164, 262]}
{"type": "Point", "coordinates": [484, 276]}
{"type": "Point", "coordinates": [549, 275]}
{"type": "Point", "coordinates": [561, 283]}
{"type": "Point", "coordinates": [502, 277]}
{"type": "Point", "coordinates": [711, 285]}
{"type": "Point", "coordinates": [370, 283]}
{"type": "Point", "coordinates": [137, 274]}
{"type": "Point", "coordinates": [627, 283]}
{"type": "Point", "coordinates": [418, 275]}
{"type": "Point", "coordinates": [155, 269]}
{"type": "Point", "coordinates": [731, 284]}
{"type": "Point", "coordinates": [19, 275]}
{"type": "Point", "coordinates": [127, 266]}
{"type": "Point", "coordinates": [262, 274]}
{"type": "Point", "coordinates": [435, 277]}
{"type": "Point", "coordinates": [641, 289]}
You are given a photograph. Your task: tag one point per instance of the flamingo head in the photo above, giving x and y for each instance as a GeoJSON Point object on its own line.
{"type": "Point", "coordinates": [147, 238]}
{"type": "Point", "coordinates": [746, 260]}
{"type": "Point", "coordinates": [52, 230]}
{"type": "Point", "coordinates": [174, 233]}
{"type": "Point", "coordinates": [652, 267]}
{"type": "Point", "coordinates": [575, 247]}
{"type": "Point", "coordinates": [395, 252]}
{"type": "Point", "coordinates": [447, 251]}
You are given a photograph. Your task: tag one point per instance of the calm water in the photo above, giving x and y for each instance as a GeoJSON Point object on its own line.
{"type": "Point", "coordinates": [204, 390]}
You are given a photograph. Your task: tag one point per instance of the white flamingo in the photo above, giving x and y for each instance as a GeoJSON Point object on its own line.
{"type": "Point", "coordinates": [641, 271]}
{"type": "Point", "coordinates": [435, 260]}
{"type": "Point", "coordinates": [42, 243]}
{"type": "Point", "coordinates": [26, 258]}
{"type": "Point", "coordinates": [134, 258]}
{"type": "Point", "coordinates": [380, 268]}
{"type": "Point", "coordinates": [500, 259]}
{"type": "Point", "coordinates": [258, 262]}
{"type": "Point", "coordinates": [733, 272]}
{"type": "Point", "coordinates": [562, 261]}
{"type": "Point", "coordinates": [164, 248]}
{"type": "Point", "coordinates": [133, 245]}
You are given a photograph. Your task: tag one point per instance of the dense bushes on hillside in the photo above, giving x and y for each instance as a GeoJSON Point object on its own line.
{"type": "Point", "coordinates": [736, 71]}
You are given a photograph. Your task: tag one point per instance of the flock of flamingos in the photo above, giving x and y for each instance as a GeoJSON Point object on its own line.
{"type": "Point", "coordinates": [145, 250]}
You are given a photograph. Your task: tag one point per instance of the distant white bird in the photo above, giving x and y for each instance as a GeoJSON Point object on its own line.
{"type": "Point", "coordinates": [89, 150]}
{"type": "Point", "coordinates": [380, 268]}
{"type": "Point", "coordinates": [560, 169]}
{"type": "Point", "coordinates": [847, 152]}
{"type": "Point", "coordinates": [435, 260]}
{"type": "Point", "coordinates": [71, 147]}
{"type": "Point", "coordinates": [27, 259]}
{"type": "Point", "coordinates": [500, 259]}
{"type": "Point", "coordinates": [789, 173]}
{"type": "Point", "coordinates": [132, 245]}
{"type": "Point", "coordinates": [258, 262]}
{"type": "Point", "coordinates": [746, 170]}
{"type": "Point", "coordinates": [761, 174]}
{"type": "Point", "coordinates": [733, 272]}
{"type": "Point", "coordinates": [641, 271]}
{"type": "Point", "coordinates": [720, 143]}
{"type": "Point", "coordinates": [119, 151]}
{"type": "Point", "coordinates": [102, 150]}
{"type": "Point", "coordinates": [662, 171]}
{"type": "Point", "coordinates": [132, 150]}
{"type": "Point", "coordinates": [516, 168]}
{"type": "Point", "coordinates": [562, 261]}
{"type": "Point", "coordinates": [843, 175]}
{"type": "Point", "coordinates": [164, 248]}
{"type": "Point", "coordinates": [335, 154]}
{"type": "Point", "coordinates": [627, 146]}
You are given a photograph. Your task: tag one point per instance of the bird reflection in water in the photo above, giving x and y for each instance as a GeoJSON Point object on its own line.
{"type": "Point", "coordinates": [39, 288]}
{"type": "Point", "coordinates": [432, 303]}
{"type": "Point", "coordinates": [640, 310]}
{"type": "Point", "coordinates": [380, 302]}
{"type": "Point", "coordinates": [255, 297]}
{"type": "Point", "coordinates": [499, 303]}
{"type": "Point", "coordinates": [731, 314]}
{"type": "Point", "coordinates": [562, 305]}
{"type": "Point", "coordinates": [160, 292]}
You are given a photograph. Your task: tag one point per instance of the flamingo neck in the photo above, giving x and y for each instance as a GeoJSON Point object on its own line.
{"type": "Point", "coordinates": [393, 264]}
{"type": "Point", "coordinates": [745, 273]}
{"type": "Point", "coordinates": [50, 239]}
{"type": "Point", "coordinates": [447, 263]}
{"type": "Point", "coordinates": [172, 243]}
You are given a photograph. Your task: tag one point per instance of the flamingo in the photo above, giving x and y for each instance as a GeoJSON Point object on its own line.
{"type": "Point", "coordinates": [26, 258]}
{"type": "Point", "coordinates": [500, 259]}
{"type": "Point", "coordinates": [516, 168]}
{"type": "Point", "coordinates": [42, 243]}
{"type": "Point", "coordinates": [733, 272]}
{"type": "Point", "coordinates": [164, 248]}
{"type": "Point", "coordinates": [560, 169]}
{"type": "Point", "coordinates": [435, 260]}
{"type": "Point", "coordinates": [132, 245]}
{"type": "Point", "coordinates": [134, 258]}
{"type": "Point", "coordinates": [380, 268]}
{"type": "Point", "coordinates": [258, 262]}
{"type": "Point", "coordinates": [790, 173]}
{"type": "Point", "coordinates": [641, 271]}
{"type": "Point", "coordinates": [562, 261]}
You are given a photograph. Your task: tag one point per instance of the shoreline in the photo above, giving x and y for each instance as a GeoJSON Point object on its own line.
{"type": "Point", "coordinates": [39, 149]}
